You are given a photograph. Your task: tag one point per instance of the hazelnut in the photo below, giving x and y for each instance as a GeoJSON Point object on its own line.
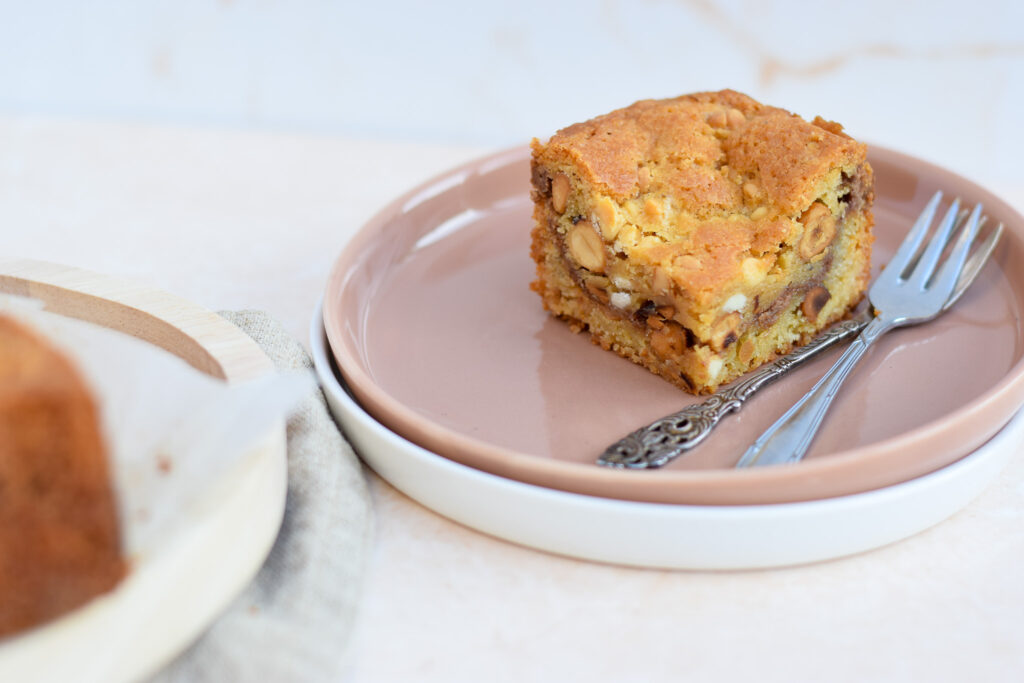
{"type": "Point", "coordinates": [628, 236]}
{"type": "Point", "coordinates": [759, 213]}
{"type": "Point", "coordinates": [819, 230]}
{"type": "Point", "coordinates": [746, 351]}
{"type": "Point", "coordinates": [669, 341]}
{"type": "Point", "coordinates": [605, 216]}
{"type": "Point", "coordinates": [586, 247]}
{"type": "Point", "coordinates": [814, 213]}
{"type": "Point", "coordinates": [598, 289]}
{"type": "Point", "coordinates": [814, 301]}
{"type": "Point", "coordinates": [735, 118]}
{"type": "Point", "coordinates": [560, 192]}
{"type": "Point", "coordinates": [717, 119]}
{"type": "Point", "coordinates": [751, 191]}
{"type": "Point", "coordinates": [725, 331]}
{"type": "Point", "coordinates": [652, 209]}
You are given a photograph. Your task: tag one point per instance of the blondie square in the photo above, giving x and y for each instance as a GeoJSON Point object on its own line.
{"type": "Point", "coordinates": [703, 235]}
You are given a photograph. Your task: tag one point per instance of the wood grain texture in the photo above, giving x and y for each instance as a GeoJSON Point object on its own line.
{"type": "Point", "coordinates": [202, 338]}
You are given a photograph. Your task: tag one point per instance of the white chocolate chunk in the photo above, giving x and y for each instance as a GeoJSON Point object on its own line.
{"type": "Point", "coordinates": [620, 299]}
{"type": "Point", "coordinates": [714, 368]}
{"type": "Point", "coordinates": [736, 302]}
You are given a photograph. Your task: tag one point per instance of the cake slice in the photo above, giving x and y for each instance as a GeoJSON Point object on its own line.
{"type": "Point", "coordinates": [60, 542]}
{"type": "Point", "coordinates": [703, 235]}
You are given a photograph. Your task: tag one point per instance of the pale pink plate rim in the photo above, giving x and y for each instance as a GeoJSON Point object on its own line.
{"type": "Point", "coordinates": [969, 426]}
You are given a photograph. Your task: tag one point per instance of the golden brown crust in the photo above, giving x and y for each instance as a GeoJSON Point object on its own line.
{"type": "Point", "coordinates": [716, 210]}
{"type": "Point", "coordinates": [676, 139]}
{"type": "Point", "coordinates": [59, 532]}
{"type": "Point", "coordinates": [789, 156]}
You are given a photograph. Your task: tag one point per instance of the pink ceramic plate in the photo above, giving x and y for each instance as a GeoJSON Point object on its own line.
{"type": "Point", "coordinates": [433, 325]}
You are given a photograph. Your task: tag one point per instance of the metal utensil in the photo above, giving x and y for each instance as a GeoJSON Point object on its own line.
{"type": "Point", "coordinates": [673, 435]}
{"type": "Point", "coordinates": [909, 290]}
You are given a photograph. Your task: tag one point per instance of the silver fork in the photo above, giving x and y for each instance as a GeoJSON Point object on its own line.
{"type": "Point", "coordinates": [669, 437]}
{"type": "Point", "coordinates": [905, 293]}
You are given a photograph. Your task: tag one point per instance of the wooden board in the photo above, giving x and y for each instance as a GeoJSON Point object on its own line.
{"type": "Point", "coordinates": [202, 338]}
{"type": "Point", "coordinates": [169, 599]}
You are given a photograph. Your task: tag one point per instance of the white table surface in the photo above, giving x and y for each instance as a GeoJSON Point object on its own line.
{"type": "Point", "coordinates": [253, 220]}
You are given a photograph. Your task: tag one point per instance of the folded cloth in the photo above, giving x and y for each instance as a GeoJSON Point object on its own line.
{"type": "Point", "coordinates": [294, 621]}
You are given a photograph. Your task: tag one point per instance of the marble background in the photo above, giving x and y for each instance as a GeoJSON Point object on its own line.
{"type": "Point", "coordinates": [942, 80]}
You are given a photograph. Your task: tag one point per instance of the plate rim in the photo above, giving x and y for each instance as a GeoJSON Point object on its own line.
{"type": "Point", "coordinates": [659, 535]}
{"type": "Point", "coordinates": [754, 484]}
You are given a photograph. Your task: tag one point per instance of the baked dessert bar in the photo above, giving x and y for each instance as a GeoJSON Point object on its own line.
{"type": "Point", "coordinates": [60, 540]}
{"type": "Point", "coordinates": [703, 235]}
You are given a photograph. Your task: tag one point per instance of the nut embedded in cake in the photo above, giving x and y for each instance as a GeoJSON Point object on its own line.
{"type": "Point", "coordinates": [703, 235]}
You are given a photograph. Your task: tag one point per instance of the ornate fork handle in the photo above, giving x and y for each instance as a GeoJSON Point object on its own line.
{"type": "Point", "coordinates": [669, 437]}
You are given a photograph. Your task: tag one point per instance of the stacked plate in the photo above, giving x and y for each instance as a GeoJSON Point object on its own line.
{"type": "Point", "coordinates": [457, 388]}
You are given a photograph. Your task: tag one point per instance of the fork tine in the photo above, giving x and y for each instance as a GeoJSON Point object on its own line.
{"type": "Point", "coordinates": [924, 269]}
{"type": "Point", "coordinates": [946, 280]}
{"type": "Point", "coordinates": [912, 242]}
{"type": "Point", "coordinates": [975, 262]}
{"type": "Point", "coordinates": [961, 216]}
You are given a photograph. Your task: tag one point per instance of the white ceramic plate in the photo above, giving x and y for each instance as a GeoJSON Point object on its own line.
{"type": "Point", "coordinates": [434, 328]}
{"type": "Point", "coordinates": [169, 598]}
{"type": "Point", "coordinates": [656, 534]}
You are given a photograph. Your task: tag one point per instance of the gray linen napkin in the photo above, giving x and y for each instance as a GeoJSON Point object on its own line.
{"type": "Point", "coordinates": [294, 621]}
